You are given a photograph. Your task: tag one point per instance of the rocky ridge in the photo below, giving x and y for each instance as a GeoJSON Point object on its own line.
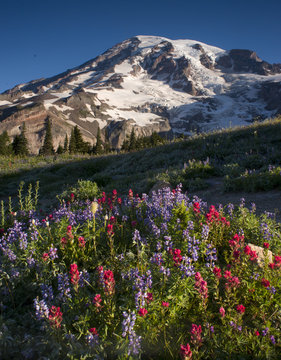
{"type": "Point", "coordinates": [149, 83]}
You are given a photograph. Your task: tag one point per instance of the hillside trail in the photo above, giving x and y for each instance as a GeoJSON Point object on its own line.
{"type": "Point", "coordinates": [265, 200]}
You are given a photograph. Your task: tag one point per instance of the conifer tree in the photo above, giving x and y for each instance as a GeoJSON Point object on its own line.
{"type": "Point", "coordinates": [47, 148]}
{"type": "Point", "coordinates": [65, 146]}
{"type": "Point", "coordinates": [72, 143]}
{"type": "Point", "coordinates": [60, 149]}
{"type": "Point", "coordinates": [5, 146]}
{"type": "Point", "coordinates": [19, 144]}
{"type": "Point", "coordinates": [132, 141]}
{"type": "Point", "coordinates": [98, 149]}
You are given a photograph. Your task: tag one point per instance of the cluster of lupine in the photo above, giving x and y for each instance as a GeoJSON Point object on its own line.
{"type": "Point", "coordinates": [159, 277]}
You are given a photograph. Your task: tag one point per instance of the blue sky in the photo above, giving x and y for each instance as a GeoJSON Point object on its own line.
{"type": "Point", "coordinates": [41, 38]}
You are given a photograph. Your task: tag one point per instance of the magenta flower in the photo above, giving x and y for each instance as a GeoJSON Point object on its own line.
{"type": "Point", "coordinates": [222, 311]}
{"type": "Point", "coordinates": [185, 352]}
{"type": "Point", "coordinates": [142, 312]}
{"type": "Point", "coordinates": [240, 309]}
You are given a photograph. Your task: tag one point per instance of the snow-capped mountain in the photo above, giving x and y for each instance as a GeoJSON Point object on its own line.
{"type": "Point", "coordinates": [151, 83]}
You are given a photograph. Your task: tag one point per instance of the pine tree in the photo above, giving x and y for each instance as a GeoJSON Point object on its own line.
{"type": "Point", "coordinates": [98, 149]}
{"type": "Point", "coordinates": [72, 143]}
{"type": "Point", "coordinates": [5, 146]}
{"type": "Point", "coordinates": [132, 141]}
{"type": "Point", "coordinates": [47, 148]}
{"type": "Point", "coordinates": [19, 144]}
{"type": "Point", "coordinates": [60, 149]}
{"type": "Point", "coordinates": [65, 146]}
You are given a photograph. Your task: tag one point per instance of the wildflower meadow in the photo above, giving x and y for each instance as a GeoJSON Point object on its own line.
{"type": "Point", "coordinates": [140, 277]}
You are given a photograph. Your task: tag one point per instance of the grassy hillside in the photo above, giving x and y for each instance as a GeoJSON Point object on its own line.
{"type": "Point", "coordinates": [243, 159]}
{"type": "Point", "coordinates": [152, 277]}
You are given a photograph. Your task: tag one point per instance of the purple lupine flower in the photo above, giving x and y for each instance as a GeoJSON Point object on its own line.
{"type": "Point", "coordinates": [128, 330]}
{"type": "Point", "coordinates": [230, 209]}
{"type": "Point", "coordinates": [211, 256]}
{"type": "Point", "coordinates": [165, 271]}
{"type": "Point", "coordinates": [84, 278]}
{"type": "Point", "coordinates": [92, 340]}
{"type": "Point", "coordinates": [265, 331]}
{"type": "Point", "coordinates": [63, 287]}
{"type": "Point", "coordinates": [30, 262]}
{"type": "Point", "coordinates": [124, 218]}
{"type": "Point", "coordinates": [157, 259]}
{"type": "Point", "coordinates": [186, 267]}
{"type": "Point", "coordinates": [14, 273]}
{"type": "Point", "coordinates": [158, 246]}
{"type": "Point", "coordinates": [47, 292]}
{"type": "Point", "coordinates": [53, 252]}
{"type": "Point", "coordinates": [41, 309]}
{"type": "Point", "coordinates": [253, 208]}
{"type": "Point", "coordinates": [205, 232]}
{"type": "Point", "coordinates": [272, 338]}
{"type": "Point", "coordinates": [9, 253]}
{"type": "Point", "coordinates": [267, 235]}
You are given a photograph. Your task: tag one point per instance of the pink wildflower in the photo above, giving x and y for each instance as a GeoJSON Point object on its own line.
{"type": "Point", "coordinates": [177, 257]}
{"type": "Point", "coordinates": [142, 312]}
{"type": "Point", "coordinates": [97, 302]}
{"type": "Point", "coordinates": [81, 241]}
{"type": "Point", "coordinates": [196, 207]}
{"type": "Point", "coordinates": [110, 229]}
{"type": "Point", "coordinates": [109, 282]}
{"type": "Point", "coordinates": [196, 331]}
{"type": "Point", "coordinates": [185, 352]}
{"type": "Point", "coordinates": [93, 331]}
{"type": "Point", "coordinates": [240, 309]}
{"type": "Point", "coordinates": [55, 316]}
{"type": "Point", "coordinates": [75, 276]}
{"type": "Point", "coordinates": [201, 286]}
{"type": "Point", "coordinates": [149, 297]}
{"type": "Point", "coordinates": [217, 272]}
{"type": "Point", "coordinates": [265, 283]}
{"type": "Point", "coordinates": [227, 274]}
{"type": "Point", "coordinates": [165, 304]}
{"type": "Point", "coordinates": [45, 256]}
{"type": "Point", "coordinates": [222, 311]}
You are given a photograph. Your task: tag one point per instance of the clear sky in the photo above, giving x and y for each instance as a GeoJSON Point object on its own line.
{"type": "Point", "coordinates": [41, 38]}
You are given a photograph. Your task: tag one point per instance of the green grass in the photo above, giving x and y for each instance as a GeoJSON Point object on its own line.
{"type": "Point", "coordinates": [230, 153]}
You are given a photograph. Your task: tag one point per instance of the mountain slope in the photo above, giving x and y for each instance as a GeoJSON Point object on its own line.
{"type": "Point", "coordinates": [152, 83]}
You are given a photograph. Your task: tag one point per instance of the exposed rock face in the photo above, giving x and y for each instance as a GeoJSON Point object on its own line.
{"type": "Point", "coordinates": [151, 83]}
{"type": "Point", "coordinates": [247, 61]}
{"type": "Point", "coordinates": [262, 256]}
{"type": "Point", "coordinates": [271, 94]}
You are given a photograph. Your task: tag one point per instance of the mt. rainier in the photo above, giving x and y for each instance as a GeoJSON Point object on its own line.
{"type": "Point", "coordinates": [151, 83]}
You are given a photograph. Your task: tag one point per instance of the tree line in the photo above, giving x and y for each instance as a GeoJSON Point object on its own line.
{"type": "Point", "coordinates": [75, 144]}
